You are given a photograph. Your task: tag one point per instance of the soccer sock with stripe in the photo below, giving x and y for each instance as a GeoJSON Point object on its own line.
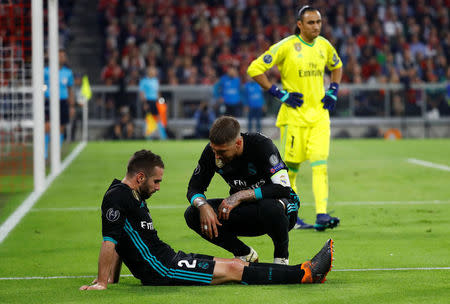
{"type": "Point", "coordinates": [292, 173]}
{"type": "Point", "coordinates": [264, 273]}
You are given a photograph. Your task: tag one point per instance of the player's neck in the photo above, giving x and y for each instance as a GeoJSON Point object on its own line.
{"type": "Point", "coordinates": [129, 183]}
{"type": "Point", "coordinates": [307, 40]}
{"type": "Point", "coordinates": [241, 148]}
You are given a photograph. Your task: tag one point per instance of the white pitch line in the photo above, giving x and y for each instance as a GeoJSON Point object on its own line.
{"type": "Point", "coordinates": [57, 277]}
{"type": "Point", "coordinates": [29, 202]}
{"type": "Point", "coordinates": [98, 208]}
{"type": "Point", "coordinates": [129, 275]}
{"type": "Point", "coordinates": [428, 164]}
{"type": "Point", "coordinates": [436, 202]}
{"type": "Point", "coordinates": [393, 269]}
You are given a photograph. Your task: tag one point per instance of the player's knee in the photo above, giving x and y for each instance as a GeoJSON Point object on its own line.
{"type": "Point", "coordinates": [273, 210]}
{"type": "Point", "coordinates": [191, 217]}
{"type": "Point", "coordinates": [236, 266]}
{"type": "Point", "coordinates": [274, 217]}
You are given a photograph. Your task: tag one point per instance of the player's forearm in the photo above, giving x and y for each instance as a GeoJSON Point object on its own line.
{"type": "Point", "coordinates": [242, 196]}
{"type": "Point", "coordinates": [105, 262]}
{"type": "Point", "coordinates": [336, 75]}
{"type": "Point", "coordinates": [116, 268]}
{"type": "Point", "coordinates": [263, 81]}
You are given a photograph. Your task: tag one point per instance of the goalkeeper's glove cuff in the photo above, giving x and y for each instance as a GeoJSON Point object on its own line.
{"type": "Point", "coordinates": [333, 90]}
{"type": "Point", "coordinates": [276, 92]}
{"type": "Point", "coordinates": [291, 99]}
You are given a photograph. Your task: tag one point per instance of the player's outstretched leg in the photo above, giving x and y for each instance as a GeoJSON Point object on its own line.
{"type": "Point", "coordinates": [313, 271]}
{"type": "Point", "coordinates": [325, 221]}
{"type": "Point", "coordinates": [317, 269]}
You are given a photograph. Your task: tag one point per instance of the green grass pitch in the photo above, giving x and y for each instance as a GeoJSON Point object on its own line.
{"type": "Point", "coordinates": [394, 214]}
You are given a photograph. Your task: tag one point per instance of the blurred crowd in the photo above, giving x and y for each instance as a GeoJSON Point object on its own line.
{"type": "Point", "coordinates": [192, 42]}
{"type": "Point", "coordinates": [15, 36]}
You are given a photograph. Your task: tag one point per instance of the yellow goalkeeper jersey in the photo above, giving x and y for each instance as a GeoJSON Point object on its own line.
{"type": "Point", "coordinates": [302, 67]}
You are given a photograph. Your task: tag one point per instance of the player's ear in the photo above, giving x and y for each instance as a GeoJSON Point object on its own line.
{"type": "Point", "coordinates": [140, 176]}
{"type": "Point", "coordinates": [239, 142]}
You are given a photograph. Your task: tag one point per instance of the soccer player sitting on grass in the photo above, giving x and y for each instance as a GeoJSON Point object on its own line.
{"type": "Point", "coordinates": [129, 236]}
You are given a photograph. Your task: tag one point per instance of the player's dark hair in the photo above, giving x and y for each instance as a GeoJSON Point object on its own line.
{"type": "Point", "coordinates": [301, 12]}
{"type": "Point", "coordinates": [224, 130]}
{"type": "Point", "coordinates": [145, 161]}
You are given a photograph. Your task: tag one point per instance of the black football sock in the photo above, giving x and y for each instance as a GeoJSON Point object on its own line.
{"type": "Point", "coordinates": [264, 274]}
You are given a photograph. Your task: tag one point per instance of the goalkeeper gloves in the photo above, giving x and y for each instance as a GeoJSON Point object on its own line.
{"type": "Point", "coordinates": [291, 99]}
{"type": "Point", "coordinates": [330, 97]}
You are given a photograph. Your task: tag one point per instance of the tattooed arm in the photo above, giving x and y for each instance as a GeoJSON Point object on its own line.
{"type": "Point", "coordinates": [234, 200]}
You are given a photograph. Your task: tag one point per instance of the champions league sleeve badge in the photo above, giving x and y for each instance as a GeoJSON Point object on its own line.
{"type": "Point", "coordinates": [112, 215]}
{"type": "Point", "coordinates": [267, 58]}
{"type": "Point", "coordinates": [273, 159]}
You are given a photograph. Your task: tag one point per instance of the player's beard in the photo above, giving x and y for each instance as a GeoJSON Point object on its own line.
{"type": "Point", "coordinates": [144, 192]}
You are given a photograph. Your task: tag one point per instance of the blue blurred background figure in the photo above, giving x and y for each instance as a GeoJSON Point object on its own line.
{"type": "Point", "coordinates": [253, 98]}
{"type": "Point", "coordinates": [228, 92]}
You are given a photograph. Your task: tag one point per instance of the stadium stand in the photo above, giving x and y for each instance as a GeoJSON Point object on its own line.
{"type": "Point", "coordinates": [192, 42]}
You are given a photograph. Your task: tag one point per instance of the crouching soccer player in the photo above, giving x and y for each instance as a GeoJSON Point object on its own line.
{"type": "Point", "coordinates": [129, 236]}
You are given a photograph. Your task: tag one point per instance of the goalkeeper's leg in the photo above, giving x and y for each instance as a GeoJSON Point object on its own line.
{"type": "Point", "coordinates": [320, 185]}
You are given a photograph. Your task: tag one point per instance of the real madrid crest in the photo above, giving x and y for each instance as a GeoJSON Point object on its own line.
{"type": "Point", "coordinates": [136, 195]}
{"type": "Point", "coordinates": [298, 46]}
{"type": "Point", "coordinates": [219, 163]}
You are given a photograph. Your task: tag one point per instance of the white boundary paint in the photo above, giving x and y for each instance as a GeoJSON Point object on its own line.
{"type": "Point", "coordinates": [381, 203]}
{"type": "Point", "coordinates": [29, 202]}
{"type": "Point", "coordinates": [129, 275]}
{"type": "Point", "coordinates": [428, 164]}
{"type": "Point", "coordinates": [392, 269]}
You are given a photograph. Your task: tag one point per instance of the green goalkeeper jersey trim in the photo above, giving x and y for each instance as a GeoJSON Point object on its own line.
{"type": "Point", "coordinates": [302, 66]}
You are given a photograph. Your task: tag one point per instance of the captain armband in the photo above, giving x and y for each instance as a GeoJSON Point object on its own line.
{"type": "Point", "coordinates": [281, 178]}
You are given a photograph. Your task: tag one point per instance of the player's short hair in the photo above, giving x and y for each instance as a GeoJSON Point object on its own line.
{"type": "Point", "coordinates": [144, 161]}
{"type": "Point", "coordinates": [224, 130]}
{"type": "Point", "coordinates": [301, 12]}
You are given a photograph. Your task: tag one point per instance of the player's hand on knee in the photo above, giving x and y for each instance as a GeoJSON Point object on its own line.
{"type": "Point", "coordinates": [225, 208]}
{"type": "Point", "coordinates": [209, 221]}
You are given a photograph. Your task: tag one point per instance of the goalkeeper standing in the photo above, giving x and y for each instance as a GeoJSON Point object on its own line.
{"type": "Point", "coordinates": [304, 119]}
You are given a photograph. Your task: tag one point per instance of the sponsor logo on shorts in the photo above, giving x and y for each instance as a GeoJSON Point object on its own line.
{"type": "Point", "coordinates": [203, 265]}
